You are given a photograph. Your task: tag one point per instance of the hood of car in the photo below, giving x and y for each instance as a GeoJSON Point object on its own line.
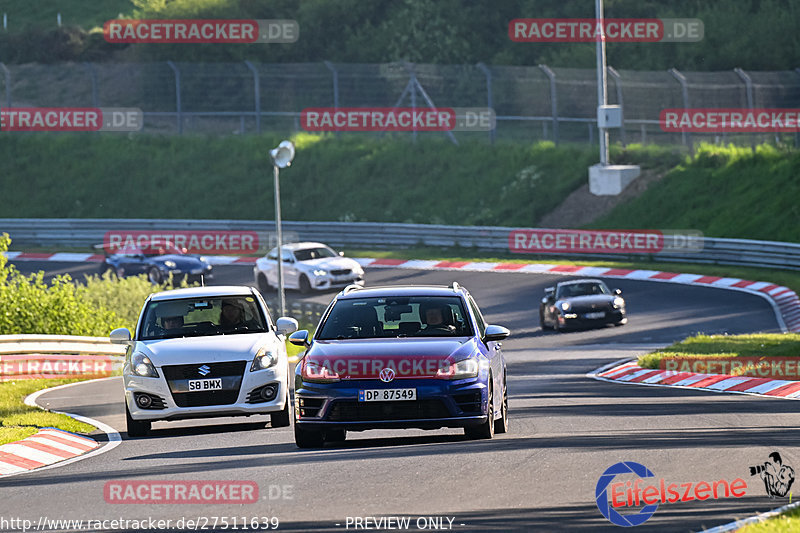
{"type": "Point", "coordinates": [212, 349]}
{"type": "Point", "coordinates": [331, 263]}
{"type": "Point", "coordinates": [181, 261]}
{"type": "Point", "coordinates": [586, 302]}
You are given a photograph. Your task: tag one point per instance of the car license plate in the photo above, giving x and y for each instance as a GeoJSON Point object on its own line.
{"type": "Point", "coordinates": [601, 314]}
{"type": "Point", "coordinates": [386, 395]}
{"type": "Point", "coordinates": [205, 384]}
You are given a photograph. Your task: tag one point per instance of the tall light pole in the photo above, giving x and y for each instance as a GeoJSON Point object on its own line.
{"type": "Point", "coordinates": [282, 157]}
{"type": "Point", "coordinates": [602, 82]}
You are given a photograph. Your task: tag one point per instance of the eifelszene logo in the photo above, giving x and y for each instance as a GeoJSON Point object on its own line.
{"type": "Point", "coordinates": [777, 477]}
{"type": "Point", "coordinates": [634, 494]}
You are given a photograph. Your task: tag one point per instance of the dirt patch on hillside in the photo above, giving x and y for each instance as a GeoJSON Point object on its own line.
{"type": "Point", "coordinates": [582, 207]}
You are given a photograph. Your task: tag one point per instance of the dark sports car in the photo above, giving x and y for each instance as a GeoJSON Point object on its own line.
{"type": "Point", "coordinates": [581, 303]}
{"type": "Point", "coordinates": [158, 260]}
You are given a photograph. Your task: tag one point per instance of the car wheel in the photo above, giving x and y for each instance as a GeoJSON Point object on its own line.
{"type": "Point", "coordinates": [335, 435]}
{"type": "Point", "coordinates": [485, 430]}
{"type": "Point", "coordinates": [281, 418]}
{"type": "Point", "coordinates": [263, 284]}
{"type": "Point", "coordinates": [308, 439]}
{"type": "Point", "coordinates": [154, 275]}
{"type": "Point", "coordinates": [136, 428]}
{"type": "Point", "coordinates": [542, 322]}
{"type": "Point", "coordinates": [501, 424]}
{"type": "Point", "coordinates": [557, 326]}
{"type": "Point", "coordinates": [305, 285]}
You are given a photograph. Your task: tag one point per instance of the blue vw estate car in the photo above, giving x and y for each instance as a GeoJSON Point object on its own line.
{"type": "Point", "coordinates": [400, 357]}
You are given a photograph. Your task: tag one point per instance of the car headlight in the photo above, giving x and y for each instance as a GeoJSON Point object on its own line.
{"type": "Point", "coordinates": [202, 259]}
{"type": "Point", "coordinates": [143, 366]}
{"type": "Point", "coordinates": [320, 272]}
{"type": "Point", "coordinates": [170, 264]}
{"type": "Point", "coordinates": [317, 373]}
{"type": "Point", "coordinates": [618, 302]}
{"type": "Point", "coordinates": [466, 368]}
{"type": "Point", "coordinates": [264, 359]}
{"type": "Point", "coordinates": [565, 306]}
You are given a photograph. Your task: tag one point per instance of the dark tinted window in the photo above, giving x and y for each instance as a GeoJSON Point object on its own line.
{"type": "Point", "coordinates": [193, 317]}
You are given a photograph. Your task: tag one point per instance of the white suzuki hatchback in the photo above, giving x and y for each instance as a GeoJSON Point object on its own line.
{"type": "Point", "coordinates": [205, 352]}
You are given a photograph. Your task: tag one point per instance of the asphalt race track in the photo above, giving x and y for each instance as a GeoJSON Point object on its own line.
{"type": "Point", "coordinates": [566, 429]}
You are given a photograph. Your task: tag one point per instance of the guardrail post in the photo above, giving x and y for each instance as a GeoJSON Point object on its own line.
{"type": "Point", "coordinates": [615, 75]}
{"type": "Point", "coordinates": [748, 84]}
{"type": "Point", "coordinates": [335, 76]}
{"type": "Point", "coordinates": [685, 138]}
{"type": "Point", "coordinates": [178, 107]}
{"type": "Point", "coordinates": [256, 95]}
{"type": "Point", "coordinates": [489, 99]}
{"type": "Point", "coordinates": [554, 101]}
{"type": "Point", "coordinates": [7, 76]}
{"type": "Point", "coordinates": [93, 77]}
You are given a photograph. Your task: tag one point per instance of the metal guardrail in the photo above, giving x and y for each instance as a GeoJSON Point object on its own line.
{"type": "Point", "coordinates": [83, 233]}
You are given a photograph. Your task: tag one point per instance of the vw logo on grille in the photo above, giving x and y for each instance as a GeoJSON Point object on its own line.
{"type": "Point", "coordinates": [387, 375]}
{"type": "Point", "coordinates": [204, 370]}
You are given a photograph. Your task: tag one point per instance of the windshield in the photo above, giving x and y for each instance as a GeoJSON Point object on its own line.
{"type": "Point", "coordinates": [581, 289]}
{"type": "Point", "coordinates": [422, 316]}
{"type": "Point", "coordinates": [307, 254]}
{"type": "Point", "coordinates": [196, 317]}
{"type": "Point", "coordinates": [150, 249]}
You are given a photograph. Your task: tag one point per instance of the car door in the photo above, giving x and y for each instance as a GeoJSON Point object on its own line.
{"type": "Point", "coordinates": [494, 353]}
{"type": "Point", "coordinates": [290, 273]}
{"type": "Point", "coordinates": [548, 304]}
{"type": "Point", "coordinates": [271, 267]}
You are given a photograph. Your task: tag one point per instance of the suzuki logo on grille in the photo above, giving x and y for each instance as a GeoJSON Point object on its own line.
{"type": "Point", "coordinates": [387, 375]}
{"type": "Point", "coordinates": [204, 370]}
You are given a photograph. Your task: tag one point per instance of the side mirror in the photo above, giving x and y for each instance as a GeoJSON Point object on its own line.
{"type": "Point", "coordinates": [300, 338]}
{"type": "Point", "coordinates": [120, 336]}
{"type": "Point", "coordinates": [549, 292]}
{"type": "Point", "coordinates": [617, 291]}
{"type": "Point", "coordinates": [286, 325]}
{"type": "Point", "coordinates": [495, 333]}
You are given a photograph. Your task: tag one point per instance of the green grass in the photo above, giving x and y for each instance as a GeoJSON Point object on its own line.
{"type": "Point", "coordinates": [717, 346]}
{"type": "Point", "coordinates": [41, 14]}
{"type": "Point", "coordinates": [18, 421]}
{"type": "Point", "coordinates": [724, 191]}
{"type": "Point", "coordinates": [784, 523]}
{"type": "Point", "coordinates": [345, 179]}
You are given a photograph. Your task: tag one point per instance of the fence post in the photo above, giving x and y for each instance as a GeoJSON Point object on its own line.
{"type": "Point", "coordinates": [93, 77]}
{"type": "Point", "coordinates": [489, 99]}
{"type": "Point", "coordinates": [7, 76]}
{"type": "Point", "coordinates": [748, 84]}
{"type": "Point", "coordinates": [615, 75]}
{"type": "Point", "coordinates": [335, 76]}
{"type": "Point", "coordinates": [553, 100]}
{"type": "Point", "coordinates": [257, 95]}
{"type": "Point", "coordinates": [178, 107]}
{"type": "Point", "coordinates": [685, 92]}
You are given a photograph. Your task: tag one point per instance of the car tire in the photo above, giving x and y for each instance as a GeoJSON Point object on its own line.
{"type": "Point", "coordinates": [336, 435]}
{"type": "Point", "coordinates": [263, 284]}
{"type": "Point", "coordinates": [501, 424]}
{"type": "Point", "coordinates": [305, 285]}
{"type": "Point", "coordinates": [281, 418]}
{"type": "Point", "coordinates": [154, 275]}
{"type": "Point", "coordinates": [485, 430]}
{"type": "Point", "coordinates": [556, 326]}
{"type": "Point", "coordinates": [542, 322]}
{"type": "Point", "coordinates": [136, 428]}
{"type": "Point", "coordinates": [304, 438]}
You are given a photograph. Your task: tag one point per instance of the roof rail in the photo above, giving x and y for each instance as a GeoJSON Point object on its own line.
{"type": "Point", "coordinates": [350, 288]}
{"type": "Point", "coordinates": [456, 286]}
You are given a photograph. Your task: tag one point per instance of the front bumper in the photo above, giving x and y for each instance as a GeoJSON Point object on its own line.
{"type": "Point", "coordinates": [322, 283]}
{"type": "Point", "coordinates": [166, 400]}
{"type": "Point", "coordinates": [440, 403]}
{"type": "Point", "coordinates": [573, 319]}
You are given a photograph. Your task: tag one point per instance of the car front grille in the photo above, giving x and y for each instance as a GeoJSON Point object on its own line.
{"type": "Point", "coordinates": [178, 377]}
{"type": "Point", "coordinates": [309, 407]}
{"type": "Point", "coordinates": [341, 272]}
{"type": "Point", "coordinates": [351, 411]}
{"type": "Point", "coordinates": [468, 402]}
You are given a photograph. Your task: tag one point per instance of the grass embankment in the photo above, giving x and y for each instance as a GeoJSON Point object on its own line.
{"type": "Point", "coordinates": [758, 345]}
{"type": "Point", "coordinates": [345, 179]}
{"type": "Point", "coordinates": [723, 191]}
{"type": "Point", "coordinates": [18, 420]}
{"type": "Point", "coordinates": [785, 523]}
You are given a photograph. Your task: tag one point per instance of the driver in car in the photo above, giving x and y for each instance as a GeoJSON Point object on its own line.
{"type": "Point", "coordinates": [232, 315]}
{"type": "Point", "coordinates": [436, 322]}
{"type": "Point", "coordinates": [171, 323]}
